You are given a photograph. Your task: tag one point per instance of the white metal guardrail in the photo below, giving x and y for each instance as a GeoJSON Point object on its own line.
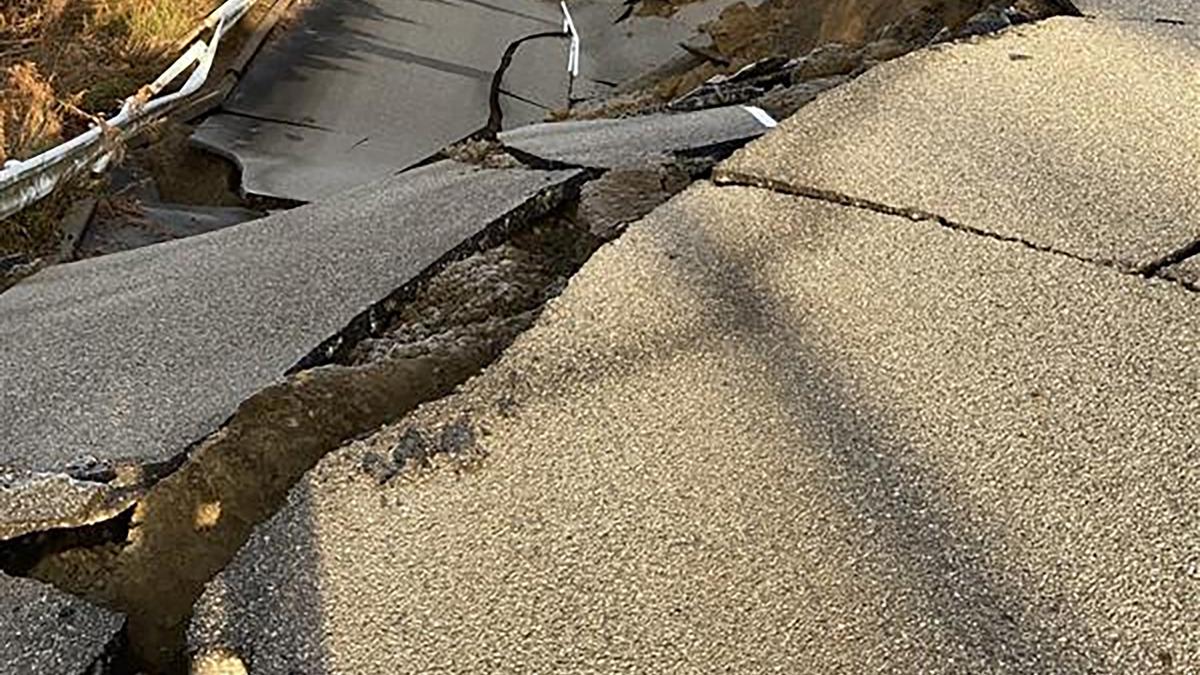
{"type": "Point", "coordinates": [25, 182]}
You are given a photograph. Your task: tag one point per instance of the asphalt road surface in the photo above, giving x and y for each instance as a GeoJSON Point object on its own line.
{"type": "Point", "coordinates": [767, 432]}
{"type": "Point", "coordinates": [43, 630]}
{"type": "Point", "coordinates": [360, 89]}
{"type": "Point", "coordinates": [127, 360]}
{"type": "Point", "coordinates": [1077, 135]}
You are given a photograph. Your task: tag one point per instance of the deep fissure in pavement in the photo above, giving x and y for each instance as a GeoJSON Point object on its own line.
{"type": "Point", "coordinates": [419, 344]}
{"type": "Point", "coordinates": [495, 123]}
{"type": "Point", "coordinates": [152, 561]}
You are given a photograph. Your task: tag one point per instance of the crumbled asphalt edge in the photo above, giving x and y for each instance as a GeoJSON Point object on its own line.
{"type": "Point", "coordinates": [19, 555]}
{"type": "Point", "coordinates": [374, 318]}
{"type": "Point", "coordinates": [113, 488]}
{"type": "Point", "coordinates": [339, 368]}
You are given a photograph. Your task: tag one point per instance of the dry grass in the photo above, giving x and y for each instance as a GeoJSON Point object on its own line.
{"type": "Point", "coordinates": [64, 59]}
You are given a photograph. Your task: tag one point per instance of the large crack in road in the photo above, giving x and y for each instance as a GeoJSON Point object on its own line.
{"type": "Point", "coordinates": [188, 526]}
{"type": "Point", "coordinates": [152, 562]}
{"type": "Point", "coordinates": [150, 554]}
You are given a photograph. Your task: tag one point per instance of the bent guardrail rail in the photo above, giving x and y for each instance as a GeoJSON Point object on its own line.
{"type": "Point", "coordinates": [25, 182]}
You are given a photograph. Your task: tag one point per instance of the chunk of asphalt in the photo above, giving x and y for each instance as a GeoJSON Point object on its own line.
{"type": "Point", "coordinates": [43, 630]}
{"type": "Point", "coordinates": [126, 360]}
{"type": "Point", "coordinates": [634, 141]}
{"type": "Point", "coordinates": [1076, 136]}
{"type": "Point", "coordinates": [358, 90]}
{"type": "Point", "coordinates": [1187, 271]}
{"type": "Point", "coordinates": [763, 432]}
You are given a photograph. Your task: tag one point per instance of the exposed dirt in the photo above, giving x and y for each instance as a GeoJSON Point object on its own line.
{"type": "Point", "coordinates": [184, 174]}
{"type": "Point", "coordinates": [792, 28]}
{"type": "Point", "coordinates": [190, 524]}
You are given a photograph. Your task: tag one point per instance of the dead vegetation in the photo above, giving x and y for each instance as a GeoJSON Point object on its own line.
{"type": "Point", "coordinates": [65, 60]}
{"type": "Point", "coordinates": [64, 63]}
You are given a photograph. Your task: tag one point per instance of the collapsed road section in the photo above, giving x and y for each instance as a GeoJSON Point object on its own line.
{"type": "Point", "coordinates": [776, 424]}
{"type": "Point", "coordinates": [778, 427]}
{"type": "Point", "coordinates": [187, 411]}
{"type": "Point", "coordinates": [114, 366]}
{"type": "Point", "coordinates": [173, 393]}
{"type": "Point", "coordinates": [174, 336]}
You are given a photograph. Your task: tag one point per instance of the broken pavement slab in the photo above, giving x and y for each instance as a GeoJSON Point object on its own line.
{"type": "Point", "coordinates": [1187, 271]}
{"type": "Point", "coordinates": [359, 90]}
{"type": "Point", "coordinates": [634, 141]}
{"type": "Point", "coordinates": [751, 419]}
{"type": "Point", "coordinates": [115, 366]}
{"type": "Point", "coordinates": [43, 630]}
{"type": "Point", "coordinates": [1073, 135]}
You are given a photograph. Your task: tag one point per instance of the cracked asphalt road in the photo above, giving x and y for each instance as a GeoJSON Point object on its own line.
{"type": "Point", "coordinates": [129, 359]}
{"type": "Point", "coordinates": [1072, 134]}
{"type": "Point", "coordinates": [763, 433]}
{"type": "Point", "coordinates": [364, 88]}
{"type": "Point", "coordinates": [47, 631]}
{"type": "Point", "coordinates": [361, 89]}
